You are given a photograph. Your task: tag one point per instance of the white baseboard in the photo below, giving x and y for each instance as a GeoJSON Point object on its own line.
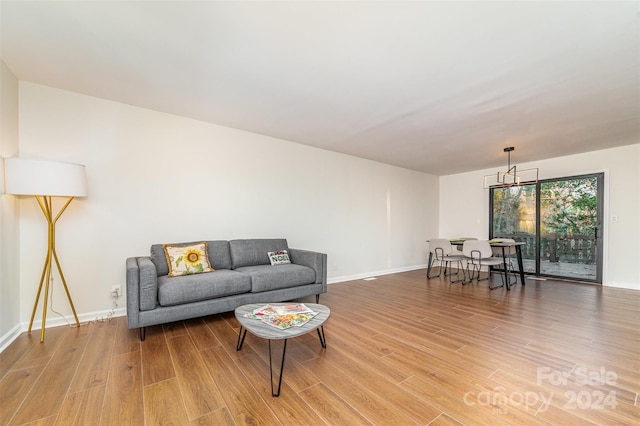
{"type": "Point", "coordinates": [57, 321]}
{"type": "Point", "coordinates": [9, 337]}
{"type": "Point", "coordinates": [344, 278]}
{"type": "Point", "coordinates": [628, 286]}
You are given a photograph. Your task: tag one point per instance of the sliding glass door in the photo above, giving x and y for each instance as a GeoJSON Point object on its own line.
{"type": "Point", "coordinates": [560, 222]}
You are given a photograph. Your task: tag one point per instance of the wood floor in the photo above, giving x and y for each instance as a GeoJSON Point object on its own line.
{"type": "Point", "coordinates": [401, 351]}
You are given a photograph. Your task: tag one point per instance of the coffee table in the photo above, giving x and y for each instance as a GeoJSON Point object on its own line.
{"type": "Point", "coordinates": [266, 331]}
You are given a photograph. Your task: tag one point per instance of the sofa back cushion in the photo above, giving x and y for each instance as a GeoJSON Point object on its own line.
{"type": "Point", "coordinates": [254, 252]}
{"type": "Point", "coordinates": [219, 256]}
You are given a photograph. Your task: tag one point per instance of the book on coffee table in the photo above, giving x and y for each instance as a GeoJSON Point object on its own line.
{"type": "Point", "coordinates": [289, 320]}
{"type": "Point", "coordinates": [299, 308]}
{"type": "Point", "coordinates": [270, 310]}
{"type": "Point", "coordinates": [260, 312]}
{"type": "Point", "coordinates": [283, 316]}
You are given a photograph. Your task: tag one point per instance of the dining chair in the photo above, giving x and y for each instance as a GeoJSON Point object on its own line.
{"type": "Point", "coordinates": [442, 252]}
{"type": "Point", "coordinates": [479, 254]}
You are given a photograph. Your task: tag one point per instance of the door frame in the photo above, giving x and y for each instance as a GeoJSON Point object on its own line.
{"type": "Point", "coordinates": [600, 229]}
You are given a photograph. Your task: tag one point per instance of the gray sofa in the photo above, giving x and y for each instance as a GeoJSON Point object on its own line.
{"type": "Point", "coordinates": [243, 274]}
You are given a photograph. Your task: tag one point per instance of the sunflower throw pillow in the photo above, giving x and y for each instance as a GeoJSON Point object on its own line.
{"type": "Point", "coordinates": [186, 260]}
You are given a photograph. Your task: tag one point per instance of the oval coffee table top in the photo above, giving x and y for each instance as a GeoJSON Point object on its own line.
{"type": "Point", "coordinates": [266, 331]}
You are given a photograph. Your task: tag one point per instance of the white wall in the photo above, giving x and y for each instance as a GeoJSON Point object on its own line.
{"type": "Point", "coordinates": [9, 237]}
{"type": "Point", "coordinates": [464, 205]}
{"type": "Point", "coordinates": [158, 178]}
{"type": "Point", "coordinates": [155, 177]}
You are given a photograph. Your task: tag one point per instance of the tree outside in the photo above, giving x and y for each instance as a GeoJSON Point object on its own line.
{"type": "Point", "coordinates": [569, 207]}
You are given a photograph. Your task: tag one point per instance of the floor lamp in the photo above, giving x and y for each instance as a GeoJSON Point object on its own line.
{"type": "Point", "coordinates": [44, 180]}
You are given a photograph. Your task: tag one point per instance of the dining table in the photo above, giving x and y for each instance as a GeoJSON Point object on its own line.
{"type": "Point", "coordinates": [497, 243]}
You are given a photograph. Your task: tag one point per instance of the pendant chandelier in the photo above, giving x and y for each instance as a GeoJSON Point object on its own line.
{"type": "Point", "coordinates": [512, 177]}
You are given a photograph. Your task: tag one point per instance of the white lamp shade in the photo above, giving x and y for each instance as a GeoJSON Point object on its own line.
{"type": "Point", "coordinates": [41, 177]}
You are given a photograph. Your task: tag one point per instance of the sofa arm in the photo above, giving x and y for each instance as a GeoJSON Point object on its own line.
{"type": "Point", "coordinates": [314, 260]}
{"type": "Point", "coordinates": [142, 288]}
{"type": "Point", "coordinates": [133, 292]}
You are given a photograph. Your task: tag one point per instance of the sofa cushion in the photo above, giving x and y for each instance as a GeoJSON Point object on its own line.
{"type": "Point", "coordinates": [254, 252]}
{"type": "Point", "coordinates": [267, 277]}
{"type": "Point", "coordinates": [187, 260]}
{"type": "Point", "coordinates": [219, 256]}
{"type": "Point", "coordinates": [192, 288]}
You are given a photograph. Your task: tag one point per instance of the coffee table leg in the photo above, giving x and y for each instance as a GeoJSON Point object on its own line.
{"type": "Point", "coordinates": [323, 341]}
{"type": "Point", "coordinates": [284, 351]}
{"type": "Point", "coordinates": [241, 337]}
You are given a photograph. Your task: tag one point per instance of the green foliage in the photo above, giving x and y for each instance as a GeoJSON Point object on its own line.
{"type": "Point", "coordinates": [569, 207]}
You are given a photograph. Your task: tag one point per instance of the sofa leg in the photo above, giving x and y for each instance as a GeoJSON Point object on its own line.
{"type": "Point", "coordinates": [317, 298]}
{"type": "Point", "coordinates": [142, 333]}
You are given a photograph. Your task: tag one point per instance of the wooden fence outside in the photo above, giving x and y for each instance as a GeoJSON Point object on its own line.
{"type": "Point", "coordinates": [558, 248]}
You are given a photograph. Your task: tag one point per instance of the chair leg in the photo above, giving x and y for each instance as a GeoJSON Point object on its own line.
{"type": "Point", "coordinates": [438, 255]}
{"type": "Point", "coordinates": [508, 279]}
{"type": "Point", "coordinates": [505, 277]}
{"type": "Point", "coordinates": [459, 270]}
{"type": "Point", "coordinates": [470, 274]}
{"type": "Point", "coordinates": [488, 274]}
{"type": "Point", "coordinates": [448, 265]}
{"type": "Point", "coordinates": [497, 286]}
{"type": "Point", "coordinates": [515, 274]}
{"type": "Point", "coordinates": [439, 269]}
{"type": "Point", "coordinates": [475, 272]}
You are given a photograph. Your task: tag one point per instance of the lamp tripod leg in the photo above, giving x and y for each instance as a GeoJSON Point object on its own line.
{"type": "Point", "coordinates": [66, 289]}
{"type": "Point", "coordinates": [46, 206]}
{"type": "Point", "coordinates": [45, 272]}
{"type": "Point", "coordinates": [44, 305]}
{"type": "Point", "coordinates": [35, 305]}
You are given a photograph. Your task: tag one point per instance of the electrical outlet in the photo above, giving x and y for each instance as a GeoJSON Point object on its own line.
{"type": "Point", "coordinates": [116, 290]}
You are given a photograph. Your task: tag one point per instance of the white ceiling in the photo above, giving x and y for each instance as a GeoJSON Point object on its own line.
{"type": "Point", "coordinates": [439, 87]}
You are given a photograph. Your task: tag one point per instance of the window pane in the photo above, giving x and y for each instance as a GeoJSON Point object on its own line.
{"type": "Point", "coordinates": [514, 216]}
